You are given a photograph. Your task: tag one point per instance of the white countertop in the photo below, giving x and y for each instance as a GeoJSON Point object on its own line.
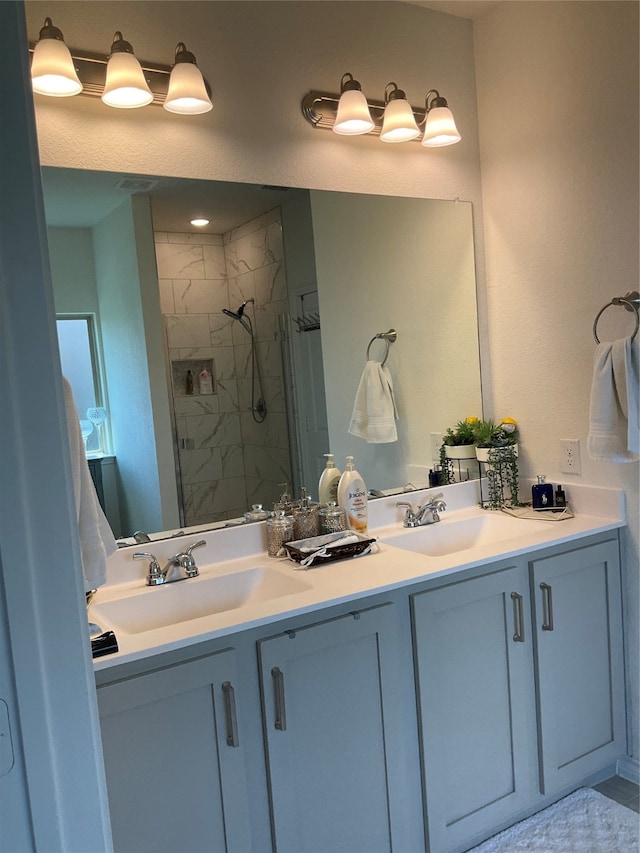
{"type": "Point", "coordinates": [231, 551]}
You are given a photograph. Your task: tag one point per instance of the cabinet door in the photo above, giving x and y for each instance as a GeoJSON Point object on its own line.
{"type": "Point", "coordinates": [474, 667]}
{"type": "Point", "coordinates": [333, 718]}
{"type": "Point", "coordinates": [579, 663]}
{"type": "Point", "coordinates": [174, 761]}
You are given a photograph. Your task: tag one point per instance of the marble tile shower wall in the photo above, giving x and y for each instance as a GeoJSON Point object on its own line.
{"type": "Point", "coordinates": [227, 460]}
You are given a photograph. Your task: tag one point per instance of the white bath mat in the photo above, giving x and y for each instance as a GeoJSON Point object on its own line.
{"type": "Point", "coordinates": [583, 822]}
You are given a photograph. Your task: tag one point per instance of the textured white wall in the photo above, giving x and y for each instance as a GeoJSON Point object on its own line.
{"type": "Point", "coordinates": [558, 100]}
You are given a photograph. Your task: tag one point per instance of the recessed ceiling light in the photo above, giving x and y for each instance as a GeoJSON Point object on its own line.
{"type": "Point", "coordinates": [200, 223]}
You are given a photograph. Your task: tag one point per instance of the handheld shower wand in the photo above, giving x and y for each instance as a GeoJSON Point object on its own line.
{"type": "Point", "coordinates": [237, 315]}
{"type": "Point", "coordinates": [258, 407]}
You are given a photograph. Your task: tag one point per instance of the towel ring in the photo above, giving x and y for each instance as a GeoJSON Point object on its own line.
{"type": "Point", "coordinates": [389, 338]}
{"type": "Point", "coordinates": [630, 301]}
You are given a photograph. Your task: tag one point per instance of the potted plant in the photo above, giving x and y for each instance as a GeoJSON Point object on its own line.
{"type": "Point", "coordinates": [459, 441]}
{"type": "Point", "coordinates": [496, 446]}
{"type": "Point", "coordinates": [488, 435]}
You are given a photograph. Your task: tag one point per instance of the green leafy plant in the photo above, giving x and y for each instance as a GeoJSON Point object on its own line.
{"type": "Point", "coordinates": [502, 478]}
{"type": "Point", "coordinates": [489, 434]}
{"type": "Point", "coordinates": [462, 433]}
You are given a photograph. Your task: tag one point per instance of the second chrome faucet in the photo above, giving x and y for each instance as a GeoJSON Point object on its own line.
{"type": "Point", "coordinates": [428, 513]}
{"type": "Point", "coordinates": [183, 560]}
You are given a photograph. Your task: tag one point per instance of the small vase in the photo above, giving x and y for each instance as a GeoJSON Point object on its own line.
{"type": "Point", "coordinates": [460, 451]}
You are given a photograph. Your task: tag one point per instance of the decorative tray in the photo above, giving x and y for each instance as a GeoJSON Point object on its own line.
{"type": "Point", "coordinates": [327, 548]}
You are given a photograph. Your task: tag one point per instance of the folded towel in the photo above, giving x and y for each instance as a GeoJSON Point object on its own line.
{"type": "Point", "coordinates": [614, 418]}
{"type": "Point", "coordinates": [96, 538]}
{"type": "Point", "coordinates": [374, 411]}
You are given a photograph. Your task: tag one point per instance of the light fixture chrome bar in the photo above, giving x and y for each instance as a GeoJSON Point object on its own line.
{"type": "Point", "coordinates": [320, 109]}
{"type": "Point", "coordinates": [92, 71]}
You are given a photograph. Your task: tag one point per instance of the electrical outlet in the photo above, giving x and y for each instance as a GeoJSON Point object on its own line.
{"type": "Point", "coordinates": [570, 455]}
{"type": "Point", "coordinates": [436, 441]}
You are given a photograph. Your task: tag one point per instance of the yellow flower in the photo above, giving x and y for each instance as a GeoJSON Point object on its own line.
{"type": "Point", "coordinates": [472, 420]}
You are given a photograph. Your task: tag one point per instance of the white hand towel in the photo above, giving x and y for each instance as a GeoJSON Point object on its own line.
{"type": "Point", "coordinates": [614, 419]}
{"type": "Point", "coordinates": [96, 538]}
{"type": "Point", "coordinates": [374, 411]}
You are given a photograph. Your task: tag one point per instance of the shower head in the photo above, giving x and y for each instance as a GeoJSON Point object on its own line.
{"type": "Point", "coordinates": [237, 314]}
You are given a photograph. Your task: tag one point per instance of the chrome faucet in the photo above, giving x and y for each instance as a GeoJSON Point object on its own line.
{"type": "Point", "coordinates": [183, 560]}
{"type": "Point", "coordinates": [428, 513]}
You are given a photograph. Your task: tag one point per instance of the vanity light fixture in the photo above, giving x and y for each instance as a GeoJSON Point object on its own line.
{"type": "Point", "coordinates": [125, 86]}
{"type": "Point", "coordinates": [187, 93]}
{"type": "Point", "coordinates": [440, 128]}
{"type": "Point", "coordinates": [119, 79]}
{"type": "Point", "coordinates": [352, 117]}
{"type": "Point", "coordinates": [398, 123]}
{"type": "Point", "coordinates": [52, 70]}
{"type": "Point", "coordinates": [393, 120]}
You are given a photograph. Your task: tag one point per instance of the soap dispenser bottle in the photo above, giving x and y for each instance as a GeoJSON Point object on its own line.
{"type": "Point", "coordinates": [328, 485]}
{"type": "Point", "coordinates": [542, 494]}
{"type": "Point", "coordinates": [352, 496]}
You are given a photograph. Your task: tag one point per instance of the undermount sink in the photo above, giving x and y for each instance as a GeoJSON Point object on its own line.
{"type": "Point", "coordinates": [450, 536]}
{"type": "Point", "coordinates": [169, 604]}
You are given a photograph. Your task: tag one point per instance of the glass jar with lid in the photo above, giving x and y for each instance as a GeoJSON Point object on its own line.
{"type": "Point", "coordinates": [333, 518]}
{"type": "Point", "coordinates": [256, 513]}
{"type": "Point", "coordinates": [279, 530]}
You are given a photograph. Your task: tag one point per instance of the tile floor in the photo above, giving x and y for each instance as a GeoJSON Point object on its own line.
{"type": "Point", "coordinates": [622, 791]}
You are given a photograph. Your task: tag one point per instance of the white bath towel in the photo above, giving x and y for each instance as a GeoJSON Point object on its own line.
{"type": "Point", "coordinates": [614, 416]}
{"type": "Point", "coordinates": [96, 538]}
{"type": "Point", "coordinates": [374, 411]}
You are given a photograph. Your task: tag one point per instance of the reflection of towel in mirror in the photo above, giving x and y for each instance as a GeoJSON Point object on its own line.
{"type": "Point", "coordinates": [96, 538]}
{"type": "Point", "coordinates": [614, 418]}
{"type": "Point", "coordinates": [374, 411]}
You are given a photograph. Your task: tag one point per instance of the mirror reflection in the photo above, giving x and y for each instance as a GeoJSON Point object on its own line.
{"type": "Point", "coordinates": [227, 356]}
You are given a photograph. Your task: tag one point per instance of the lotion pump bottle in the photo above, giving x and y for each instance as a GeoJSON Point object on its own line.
{"type": "Point", "coordinates": [542, 494]}
{"type": "Point", "coordinates": [328, 485]}
{"type": "Point", "coordinates": [352, 496]}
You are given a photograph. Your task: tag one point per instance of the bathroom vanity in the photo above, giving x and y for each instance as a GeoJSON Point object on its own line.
{"type": "Point", "coordinates": [400, 701]}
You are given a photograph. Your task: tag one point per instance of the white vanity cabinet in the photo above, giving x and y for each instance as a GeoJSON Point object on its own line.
{"type": "Point", "coordinates": [579, 662]}
{"type": "Point", "coordinates": [519, 698]}
{"type": "Point", "coordinates": [174, 759]}
{"type": "Point", "coordinates": [474, 670]}
{"type": "Point", "coordinates": [516, 667]}
{"type": "Point", "coordinates": [334, 721]}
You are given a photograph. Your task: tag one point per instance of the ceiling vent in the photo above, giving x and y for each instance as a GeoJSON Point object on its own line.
{"type": "Point", "coordinates": [136, 185]}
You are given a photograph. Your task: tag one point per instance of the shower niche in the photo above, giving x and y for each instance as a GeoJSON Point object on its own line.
{"type": "Point", "coordinates": [186, 377]}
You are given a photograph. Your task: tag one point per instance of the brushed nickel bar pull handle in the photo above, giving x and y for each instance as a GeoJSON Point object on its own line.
{"type": "Point", "coordinates": [230, 714]}
{"type": "Point", "coordinates": [280, 721]}
{"type": "Point", "coordinates": [547, 607]}
{"type": "Point", "coordinates": [518, 618]}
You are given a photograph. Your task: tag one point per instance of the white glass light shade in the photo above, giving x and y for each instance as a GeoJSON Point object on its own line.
{"type": "Point", "coordinates": [440, 128]}
{"type": "Point", "coordinates": [125, 86]}
{"type": "Point", "coordinates": [200, 222]}
{"type": "Point", "coordinates": [187, 92]}
{"type": "Point", "coordinates": [52, 71]}
{"type": "Point", "coordinates": [399, 124]}
{"type": "Point", "coordinates": [353, 116]}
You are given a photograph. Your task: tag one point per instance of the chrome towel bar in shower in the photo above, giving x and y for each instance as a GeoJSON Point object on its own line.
{"type": "Point", "coordinates": [630, 301]}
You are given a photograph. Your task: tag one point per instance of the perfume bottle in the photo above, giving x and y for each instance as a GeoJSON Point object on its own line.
{"type": "Point", "coordinates": [542, 494]}
{"type": "Point", "coordinates": [560, 498]}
